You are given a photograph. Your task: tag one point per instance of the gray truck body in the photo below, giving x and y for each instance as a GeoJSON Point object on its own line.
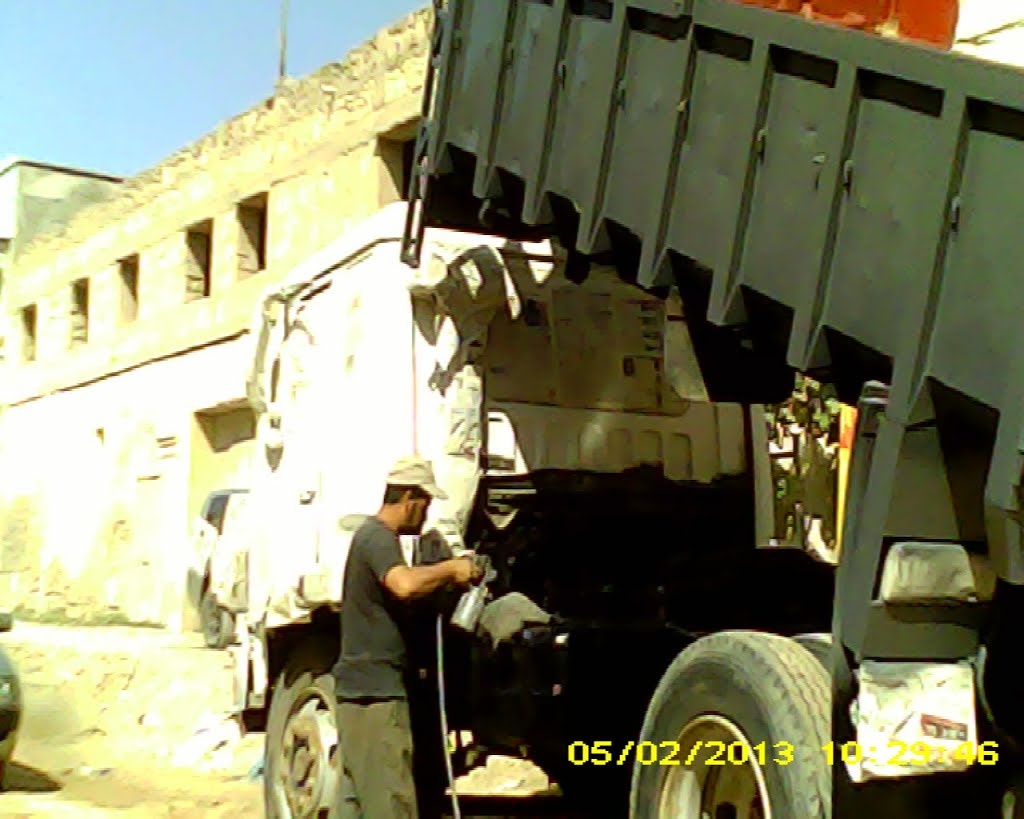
{"type": "Point", "coordinates": [828, 202]}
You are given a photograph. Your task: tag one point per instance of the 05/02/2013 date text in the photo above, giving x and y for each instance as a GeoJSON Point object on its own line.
{"type": "Point", "coordinates": [779, 753]}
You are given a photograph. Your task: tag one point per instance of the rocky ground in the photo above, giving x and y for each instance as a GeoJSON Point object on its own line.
{"type": "Point", "coordinates": [126, 722]}
{"type": "Point", "coordinates": [132, 722]}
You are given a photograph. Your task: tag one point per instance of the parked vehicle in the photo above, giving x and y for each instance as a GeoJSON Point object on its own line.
{"type": "Point", "coordinates": [214, 538]}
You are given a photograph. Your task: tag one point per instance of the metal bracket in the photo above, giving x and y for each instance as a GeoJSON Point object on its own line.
{"type": "Point", "coordinates": [848, 175]}
{"type": "Point", "coordinates": [759, 143]}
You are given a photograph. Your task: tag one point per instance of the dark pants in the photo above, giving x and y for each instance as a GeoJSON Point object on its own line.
{"type": "Point", "coordinates": [375, 739]}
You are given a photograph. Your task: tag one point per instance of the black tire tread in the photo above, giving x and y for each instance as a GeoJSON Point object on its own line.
{"type": "Point", "coordinates": [797, 690]}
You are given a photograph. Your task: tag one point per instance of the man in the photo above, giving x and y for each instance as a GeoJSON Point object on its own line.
{"type": "Point", "coordinates": [373, 711]}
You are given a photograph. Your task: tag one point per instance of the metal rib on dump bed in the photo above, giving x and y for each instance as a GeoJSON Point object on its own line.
{"type": "Point", "coordinates": [872, 188]}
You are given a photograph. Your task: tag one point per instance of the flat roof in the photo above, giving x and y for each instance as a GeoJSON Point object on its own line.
{"type": "Point", "coordinates": [12, 161]}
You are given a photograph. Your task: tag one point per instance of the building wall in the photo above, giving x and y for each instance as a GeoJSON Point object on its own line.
{"type": "Point", "coordinates": [109, 443]}
{"type": "Point", "coordinates": [8, 227]}
{"type": "Point", "coordinates": [9, 201]}
{"type": "Point", "coordinates": [94, 486]}
{"type": "Point", "coordinates": [49, 197]}
{"type": "Point", "coordinates": [221, 445]}
{"type": "Point", "coordinates": [36, 198]}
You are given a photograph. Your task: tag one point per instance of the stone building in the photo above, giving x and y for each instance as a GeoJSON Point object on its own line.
{"type": "Point", "coordinates": [36, 197]}
{"type": "Point", "coordinates": [122, 394]}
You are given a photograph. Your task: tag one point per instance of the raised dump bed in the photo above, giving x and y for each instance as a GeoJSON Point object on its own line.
{"type": "Point", "coordinates": [855, 200]}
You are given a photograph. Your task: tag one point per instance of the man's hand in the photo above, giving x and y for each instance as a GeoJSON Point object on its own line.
{"type": "Point", "coordinates": [465, 570]}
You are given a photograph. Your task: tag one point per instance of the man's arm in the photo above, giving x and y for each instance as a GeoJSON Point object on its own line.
{"type": "Point", "coordinates": [409, 583]}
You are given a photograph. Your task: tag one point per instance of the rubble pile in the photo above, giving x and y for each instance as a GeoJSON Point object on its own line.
{"type": "Point", "coordinates": [504, 776]}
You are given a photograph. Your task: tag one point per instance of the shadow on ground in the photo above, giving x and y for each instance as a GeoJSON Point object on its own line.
{"type": "Point", "coordinates": [20, 778]}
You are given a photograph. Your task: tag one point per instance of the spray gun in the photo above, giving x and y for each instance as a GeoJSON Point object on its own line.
{"type": "Point", "coordinates": [465, 617]}
{"type": "Point", "coordinates": [471, 604]}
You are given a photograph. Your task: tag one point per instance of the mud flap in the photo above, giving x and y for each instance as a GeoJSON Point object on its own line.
{"type": "Point", "coordinates": [913, 719]}
{"type": "Point", "coordinates": [240, 671]}
{"type": "Point", "coordinates": [249, 661]}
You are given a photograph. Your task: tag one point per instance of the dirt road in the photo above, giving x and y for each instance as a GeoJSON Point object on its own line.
{"type": "Point", "coordinates": [131, 723]}
{"type": "Point", "coordinates": [123, 722]}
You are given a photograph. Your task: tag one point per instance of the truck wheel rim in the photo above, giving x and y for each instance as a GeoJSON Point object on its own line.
{"type": "Point", "coordinates": [694, 789]}
{"type": "Point", "coordinates": [306, 775]}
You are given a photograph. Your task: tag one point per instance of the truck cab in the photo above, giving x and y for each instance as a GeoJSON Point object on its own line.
{"type": "Point", "coordinates": [569, 425]}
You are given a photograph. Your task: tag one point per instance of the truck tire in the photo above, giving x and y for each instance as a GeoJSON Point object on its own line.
{"type": "Point", "coordinates": [300, 776]}
{"type": "Point", "coordinates": [217, 624]}
{"type": "Point", "coordinates": [820, 646]}
{"type": "Point", "coordinates": [757, 707]}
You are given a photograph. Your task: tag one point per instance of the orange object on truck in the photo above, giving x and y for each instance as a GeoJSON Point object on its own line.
{"type": "Point", "coordinates": [926, 21]}
{"type": "Point", "coordinates": [862, 14]}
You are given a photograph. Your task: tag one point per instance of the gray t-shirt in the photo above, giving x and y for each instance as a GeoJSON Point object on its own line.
{"type": "Point", "coordinates": [373, 658]}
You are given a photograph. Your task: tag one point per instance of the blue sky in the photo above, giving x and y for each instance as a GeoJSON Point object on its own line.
{"type": "Point", "coordinates": [116, 85]}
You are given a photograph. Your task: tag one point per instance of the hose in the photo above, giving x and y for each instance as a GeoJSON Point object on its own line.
{"type": "Point", "coordinates": [456, 813]}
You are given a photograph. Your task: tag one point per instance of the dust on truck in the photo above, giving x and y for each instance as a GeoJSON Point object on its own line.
{"type": "Point", "coordinates": [821, 201]}
{"type": "Point", "coordinates": [569, 425]}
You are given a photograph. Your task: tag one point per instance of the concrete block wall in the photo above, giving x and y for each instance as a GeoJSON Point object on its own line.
{"type": "Point", "coordinates": [321, 152]}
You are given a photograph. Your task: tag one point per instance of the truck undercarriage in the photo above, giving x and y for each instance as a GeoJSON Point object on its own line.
{"type": "Point", "coordinates": [632, 568]}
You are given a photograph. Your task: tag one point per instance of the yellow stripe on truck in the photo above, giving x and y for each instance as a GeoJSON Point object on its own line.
{"type": "Point", "coordinates": [847, 426]}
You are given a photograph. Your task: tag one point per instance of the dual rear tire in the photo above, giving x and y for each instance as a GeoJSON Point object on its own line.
{"type": "Point", "coordinates": [740, 720]}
